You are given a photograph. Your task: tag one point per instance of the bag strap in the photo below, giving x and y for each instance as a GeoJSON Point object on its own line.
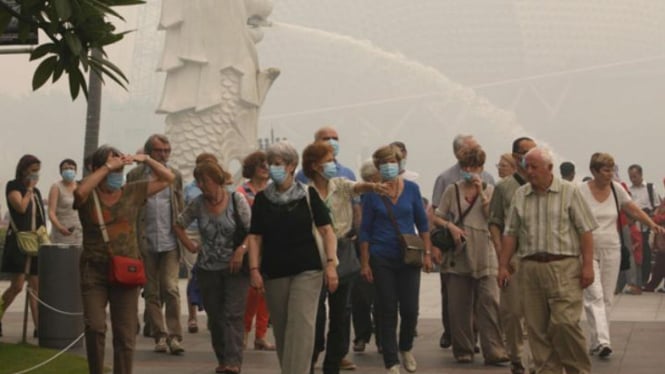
{"type": "Point", "coordinates": [616, 203]}
{"type": "Point", "coordinates": [236, 214]}
{"type": "Point", "coordinates": [102, 224]}
{"type": "Point", "coordinates": [651, 195]}
{"type": "Point", "coordinates": [33, 221]}
{"type": "Point", "coordinates": [459, 206]}
{"type": "Point", "coordinates": [391, 215]}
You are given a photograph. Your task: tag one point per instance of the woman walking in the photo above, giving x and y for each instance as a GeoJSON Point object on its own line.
{"type": "Point", "coordinates": [607, 199]}
{"type": "Point", "coordinates": [26, 213]}
{"type": "Point", "coordinates": [287, 260]}
{"type": "Point", "coordinates": [397, 284]}
{"type": "Point", "coordinates": [108, 210]}
{"type": "Point", "coordinates": [222, 219]}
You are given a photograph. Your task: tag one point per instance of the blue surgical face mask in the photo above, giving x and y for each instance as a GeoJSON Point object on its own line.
{"type": "Point", "coordinates": [68, 175]}
{"type": "Point", "coordinates": [278, 173]}
{"type": "Point", "coordinates": [329, 170]}
{"type": "Point", "coordinates": [335, 145]}
{"type": "Point", "coordinates": [33, 176]}
{"type": "Point", "coordinates": [389, 171]}
{"type": "Point", "coordinates": [466, 176]}
{"type": "Point", "coordinates": [114, 180]}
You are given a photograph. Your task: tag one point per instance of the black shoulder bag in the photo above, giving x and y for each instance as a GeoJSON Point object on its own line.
{"type": "Point", "coordinates": [441, 237]}
{"type": "Point", "coordinates": [625, 251]}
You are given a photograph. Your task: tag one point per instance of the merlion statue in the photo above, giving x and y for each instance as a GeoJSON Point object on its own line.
{"type": "Point", "coordinates": [213, 89]}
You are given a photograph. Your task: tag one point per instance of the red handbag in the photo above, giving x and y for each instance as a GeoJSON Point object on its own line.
{"type": "Point", "coordinates": [123, 270]}
{"type": "Point", "coordinates": [126, 271]}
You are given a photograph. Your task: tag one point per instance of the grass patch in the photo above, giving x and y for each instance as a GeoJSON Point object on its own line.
{"type": "Point", "coordinates": [17, 357]}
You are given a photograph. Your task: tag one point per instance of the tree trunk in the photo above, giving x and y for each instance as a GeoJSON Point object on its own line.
{"type": "Point", "coordinates": [93, 115]}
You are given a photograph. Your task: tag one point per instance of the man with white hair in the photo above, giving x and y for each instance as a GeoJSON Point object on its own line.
{"type": "Point", "coordinates": [550, 224]}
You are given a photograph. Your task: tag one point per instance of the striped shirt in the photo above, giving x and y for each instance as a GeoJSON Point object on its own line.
{"type": "Point", "coordinates": [551, 222]}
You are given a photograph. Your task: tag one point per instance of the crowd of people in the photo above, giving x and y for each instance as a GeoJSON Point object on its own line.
{"type": "Point", "coordinates": [313, 252]}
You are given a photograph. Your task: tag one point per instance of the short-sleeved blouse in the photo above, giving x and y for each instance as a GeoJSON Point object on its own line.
{"type": "Point", "coordinates": [120, 220]}
{"type": "Point", "coordinates": [216, 230]}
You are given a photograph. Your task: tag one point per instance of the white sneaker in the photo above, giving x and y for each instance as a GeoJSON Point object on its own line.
{"type": "Point", "coordinates": [160, 345]}
{"type": "Point", "coordinates": [393, 370]}
{"type": "Point", "coordinates": [409, 361]}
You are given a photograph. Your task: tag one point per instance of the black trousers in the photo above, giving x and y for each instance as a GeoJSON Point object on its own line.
{"type": "Point", "coordinates": [336, 343]}
{"type": "Point", "coordinates": [365, 312]}
{"type": "Point", "coordinates": [397, 289]}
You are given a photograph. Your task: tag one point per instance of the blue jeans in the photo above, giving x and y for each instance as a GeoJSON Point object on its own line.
{"type": "Point", "coordinates": [397, 286]}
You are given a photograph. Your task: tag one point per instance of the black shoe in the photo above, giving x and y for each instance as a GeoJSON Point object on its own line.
{"type": "Point", "coordinates": [359, 346]}
{"type": "Point", "coordinates": [0, 328]}
{"type": "Point", "coordinates": [516, 368]}
{"type": "Point", "coordinates": [444, 341]}
{"type": "Point", "coordinates": [35, 334]}
{"type": "Point", "coordinates": [147, 331]}
{"type": "Point", "coordinates": [476, 349]}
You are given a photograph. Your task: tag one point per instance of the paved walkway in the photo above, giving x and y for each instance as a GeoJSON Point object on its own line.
{"type": "Point", "coordinates": [638, 340]}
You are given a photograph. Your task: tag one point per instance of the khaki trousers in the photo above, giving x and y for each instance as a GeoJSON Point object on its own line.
{"type": "Point", "coordinates": [512, 317]}
{"type": "Point", "coordinates": [162, 269]}
{"type": "Point", "coordinates": [293, 302]}
{"type": "Point", "coordinates": [470, 300]}
{"type": "Point", "coordinates": [552, 309]}
{"type": "Point", "coordinates": [123, 302]}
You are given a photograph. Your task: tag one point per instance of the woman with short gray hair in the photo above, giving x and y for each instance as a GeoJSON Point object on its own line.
{"type": "Point", "coordinates": [285, 260]}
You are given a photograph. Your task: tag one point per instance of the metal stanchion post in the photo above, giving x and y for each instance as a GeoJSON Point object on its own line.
{"type": "Point", "coordinates": [28, 260]}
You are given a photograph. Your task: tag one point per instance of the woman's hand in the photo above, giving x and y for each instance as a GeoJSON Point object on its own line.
{"type": "Point", "coordinates": [194, 248]}
{"type": "Point", "coordinates": [427, 263]}
{"type": "Point", "coordinates": [235, 265]}
{"type": "Point", "coordinates": [366, 272]}
{"type": "Point", "coordinates": [117, 162]}
{"type": "Point", "coordinates": [64, 231]}
{"type": "Point", "coordinates": [332, 281]}
{"type": "Point", "coordinates": [256, 280]}
{"type": "Point", "coordinates": [458, 234]}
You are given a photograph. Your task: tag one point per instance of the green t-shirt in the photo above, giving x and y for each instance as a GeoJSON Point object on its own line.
{"type": "Point", "coordinates": [120, 220]}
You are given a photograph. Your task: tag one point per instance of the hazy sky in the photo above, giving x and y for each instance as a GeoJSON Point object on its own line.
{"type": "Point", "coordinates": [580, 76]}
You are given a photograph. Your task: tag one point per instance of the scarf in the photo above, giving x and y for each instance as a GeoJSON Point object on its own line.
{"type": "Point", "coordinates": [297, 191]}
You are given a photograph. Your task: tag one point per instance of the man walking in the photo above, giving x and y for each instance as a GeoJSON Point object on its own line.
{"type": "Point", "coordinates": [647, 199]}
{"type": "Point", "coordinates": [511, 304]}
{"type": "Point", "coordinates": [550, 224]}
{"type": "Point", "coordinates": [160, 250]}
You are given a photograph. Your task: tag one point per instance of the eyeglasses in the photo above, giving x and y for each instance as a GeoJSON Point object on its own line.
{"type": "Point", "coordinates": [162, 150]}
{"type": "Point", "coordinates": [329, 137]}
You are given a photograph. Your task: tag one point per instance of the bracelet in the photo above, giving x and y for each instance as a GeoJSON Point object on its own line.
{"type": "Point", "coordinates": [254, 268]}
{"type": "Point", "coordinates": [427, 253]}
{"type": "Point", "coordinates": [331, 260]}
